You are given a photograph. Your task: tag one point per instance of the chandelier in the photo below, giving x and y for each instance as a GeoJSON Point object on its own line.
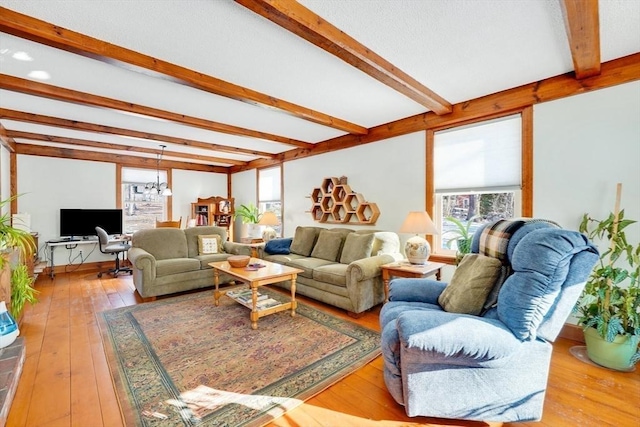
{"type": "Point", "coordinates": [158, 188]}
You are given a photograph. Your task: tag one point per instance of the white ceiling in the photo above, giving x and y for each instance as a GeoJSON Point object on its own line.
{"type": "Point", "coordinates": [460, 49]}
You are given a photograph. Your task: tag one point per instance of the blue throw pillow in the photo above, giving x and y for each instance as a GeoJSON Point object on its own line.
{"type": "Point", "coordinates": [278, 246]}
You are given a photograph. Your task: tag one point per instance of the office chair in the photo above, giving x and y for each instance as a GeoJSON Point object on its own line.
{"type": "Point", "coordinates": [115, 248]}
{"type": "Point", "coordinates": [169, 224]}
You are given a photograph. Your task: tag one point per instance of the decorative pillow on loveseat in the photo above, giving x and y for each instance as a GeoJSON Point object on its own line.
{"type": "Point", "coordinates": [278, 246]}
{"type": "Point", "coordinates": [356, 246]}
{"type": "Point", "coordinates": [470, 284]}
{"type": "Point", "coordinates": [328, 245]}
{"type": "Point", "coordinates": [303, 240]}
{"type": "Point", "coordinates": [209, 244]}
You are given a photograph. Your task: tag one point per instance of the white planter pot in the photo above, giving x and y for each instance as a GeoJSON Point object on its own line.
{"type": "Point", "coordinates": [253, 231]}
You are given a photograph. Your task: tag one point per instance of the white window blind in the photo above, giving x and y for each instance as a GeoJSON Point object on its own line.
{"type": "Point", "coordinates": [269, 184]}
{"type": "Point", "coordinates": [483, 156]}
{"type": "Point", "coordinates": [142, 175]}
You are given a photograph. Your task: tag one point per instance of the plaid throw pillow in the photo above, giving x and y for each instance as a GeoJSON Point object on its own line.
{"type": "Point", "coordinates": [495, 238]}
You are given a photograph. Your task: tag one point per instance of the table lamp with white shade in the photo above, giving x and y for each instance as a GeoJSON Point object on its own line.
{"type": "Point", "coordinates": [268, 219]}
{"type": "Point", "coordinates": [417, 248]}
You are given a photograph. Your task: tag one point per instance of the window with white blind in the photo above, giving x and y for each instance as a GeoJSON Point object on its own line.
{"type": "Point", "coordinates": [269, 194]}
{"type": "Point", "coordinates": [477, 177]}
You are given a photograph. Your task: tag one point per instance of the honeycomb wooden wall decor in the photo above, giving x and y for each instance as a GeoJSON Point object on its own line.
{"type": "Point", "coordinates": [334, 202]}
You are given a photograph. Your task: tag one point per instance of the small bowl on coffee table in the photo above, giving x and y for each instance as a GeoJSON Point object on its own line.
{"type": "Point", "coordinates": [238, 261]}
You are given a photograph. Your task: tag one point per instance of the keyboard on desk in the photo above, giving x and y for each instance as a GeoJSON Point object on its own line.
{"type": "Point", "coordinates": [74, 239]}
{"type": "Point", "coordinates": [64, 240]}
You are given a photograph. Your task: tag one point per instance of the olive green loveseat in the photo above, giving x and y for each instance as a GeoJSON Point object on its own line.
{"type": "Point", "coordinates": [170, 260]}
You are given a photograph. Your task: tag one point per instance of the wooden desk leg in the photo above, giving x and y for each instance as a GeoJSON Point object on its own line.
{"type": "Point", "coordinates": [294, 303]}
{"type": "Point", "coordinates": [438, 274]}
{"type": "Point", "coordinates": [385, 280]}
{"type": "Point", "coordinates": [254, 307]}
{"type": "Point", "coordinates": [216, 292]}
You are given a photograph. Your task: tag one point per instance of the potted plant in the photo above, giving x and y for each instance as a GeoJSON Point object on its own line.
{"type": "Point", "coordinates": [22, 290]}
{"type": "Point", "coordinates": [11, 240]}
{"type": "Point", "coordinates": [461, 236]}
{"type": "Point", "coordinates": [250, 215]}
{"type": "Point", "coordinates": [609, 307]}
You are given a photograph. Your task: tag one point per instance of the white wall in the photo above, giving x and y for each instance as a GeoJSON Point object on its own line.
{"type": "Point", "coordinates": [49, 184]}
{"type": "Point", "coordinates": [389, 173]}
{"type": "Point", "coordinates": [583, 146]}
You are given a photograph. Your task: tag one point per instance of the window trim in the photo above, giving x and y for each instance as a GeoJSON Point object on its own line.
{"type": "Point", "coordinates": [281, 200]}
{"type": "Point", "coordinates": [526, 198]}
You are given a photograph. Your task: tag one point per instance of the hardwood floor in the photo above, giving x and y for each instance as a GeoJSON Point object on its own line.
{"type": "Point", "coordinates": [66, 380]}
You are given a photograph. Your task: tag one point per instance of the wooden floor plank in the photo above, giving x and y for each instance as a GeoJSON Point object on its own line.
{"type": "Point", "coordinates": [65, 353]}
{"type": "Point", "coordinates": [85, 400]}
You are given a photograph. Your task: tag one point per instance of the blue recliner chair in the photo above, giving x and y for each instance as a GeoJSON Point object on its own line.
{"type": "Point", "coordinates": [491, 367]}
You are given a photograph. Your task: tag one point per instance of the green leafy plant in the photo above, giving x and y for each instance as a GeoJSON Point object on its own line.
{"type": "Point", "coordinates": [249, 214]}
{"type": "Point", "coordinates": [11, 237]}
{"type": "Point", "coordinates": [22, 290]}
{"type": "Point", "coordinates": [461, 235]}
{"type": "Point", "coordinates": [15, 239]}
{"type": "Point", "coordinates": [610, 302]}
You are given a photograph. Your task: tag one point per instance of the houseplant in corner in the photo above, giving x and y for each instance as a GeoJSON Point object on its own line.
{"type": "Point", "coordinates": [22, 290]}
{"type": "Point", "coordinates": [20, 242]}
{"type": "Point", "coordinates": [609, 307]}
{"type": "Point", "coordinates": [250, 215]}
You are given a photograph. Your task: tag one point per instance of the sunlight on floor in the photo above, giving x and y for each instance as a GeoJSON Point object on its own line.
{"type": "Point", "coordinates": [195, 404]}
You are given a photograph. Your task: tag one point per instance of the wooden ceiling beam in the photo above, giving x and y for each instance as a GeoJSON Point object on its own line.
{"type": "Point", "coordinates": [109, 130]}
{"type": "Point", "coordinates": [48, 34]}
{"type": "Point", "coordinates": [124, 159]}
{"type": "Point", "coordinates": [616, 72]}
{"type": "Point", "coordinates": [57, 93]}
{"type": "Point", "coordinates": [110, 146]}
{"type": "Point", "coordinates": [6, 140]}
{"type": "Point", "coordinates": [582, 23]}
{"type": "Point", "coordinates": [292, 16]}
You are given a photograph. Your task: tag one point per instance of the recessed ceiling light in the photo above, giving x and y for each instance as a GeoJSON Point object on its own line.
{"type": "Point", "coordinates": [39, 74]}
{"type": "Point", "coordinates": [22, 56]}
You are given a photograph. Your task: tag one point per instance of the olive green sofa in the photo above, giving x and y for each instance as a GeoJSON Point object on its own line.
{"type": "Point", "coordinates": [341, 267]}
{"type": "Point", "coordinates": [168, 260]}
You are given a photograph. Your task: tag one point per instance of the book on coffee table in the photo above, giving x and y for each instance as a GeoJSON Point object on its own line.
{"type": "Point", "coordinates": [244, 296]}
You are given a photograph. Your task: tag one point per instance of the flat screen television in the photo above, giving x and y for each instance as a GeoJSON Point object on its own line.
{"type": "Point", "coordinates": [83, 222]}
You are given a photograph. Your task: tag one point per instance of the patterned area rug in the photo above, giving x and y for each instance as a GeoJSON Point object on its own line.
{"type": "Point", "coordinates": [182, 361]}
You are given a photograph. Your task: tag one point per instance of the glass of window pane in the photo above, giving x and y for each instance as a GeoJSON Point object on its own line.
{"type": "Point", "coordinates": [462, 214]}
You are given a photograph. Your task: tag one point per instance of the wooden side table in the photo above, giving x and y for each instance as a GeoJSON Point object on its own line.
{"type": "Point", "coordinates": [405, 269]}
{"type": "Point", "coordinates": [254, 244]}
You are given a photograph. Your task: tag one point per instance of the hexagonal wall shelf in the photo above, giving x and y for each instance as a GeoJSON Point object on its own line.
{"type": "Point", "coordinates": [334, 202]}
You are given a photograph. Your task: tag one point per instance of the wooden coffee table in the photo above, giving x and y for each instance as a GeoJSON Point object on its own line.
{"type": "Point", "coordinates": [405, 269]}
{"type": "Point", "coordinates": [270, 273]}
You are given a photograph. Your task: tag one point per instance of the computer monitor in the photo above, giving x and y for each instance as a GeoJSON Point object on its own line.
{"type": "Point", "coordinates": [83, 222]}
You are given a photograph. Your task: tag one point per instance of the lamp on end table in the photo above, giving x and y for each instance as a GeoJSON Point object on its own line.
{"type": "Point", "coordinates": [269, 219]}
{"type": "Point", "coordinates": [417, 248]}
